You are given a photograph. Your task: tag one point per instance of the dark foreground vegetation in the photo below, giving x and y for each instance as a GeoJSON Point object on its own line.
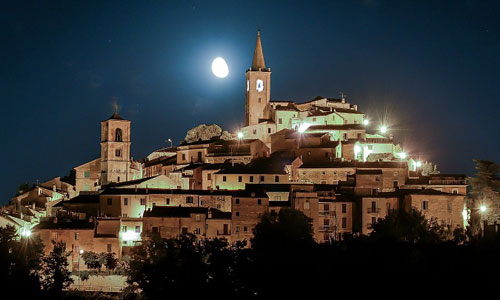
{"type": "Point", "coordinates": [405, 252]}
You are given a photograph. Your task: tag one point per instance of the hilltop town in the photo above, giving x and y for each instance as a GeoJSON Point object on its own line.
{"type": "Point", "coordinates": [322, 157]}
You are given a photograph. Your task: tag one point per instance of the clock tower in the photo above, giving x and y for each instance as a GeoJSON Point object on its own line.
{"type": "Point", "coordinates": [258, 87]}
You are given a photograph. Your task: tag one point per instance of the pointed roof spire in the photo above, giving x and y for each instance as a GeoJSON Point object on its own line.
{"type": "Point", "coordinates": [258, 56]}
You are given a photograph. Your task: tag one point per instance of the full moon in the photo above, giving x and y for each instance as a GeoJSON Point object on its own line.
{"type": "Point", "coordinates": [219, 67]}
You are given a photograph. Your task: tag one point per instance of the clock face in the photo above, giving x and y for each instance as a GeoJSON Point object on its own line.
{"type": "Point", "coordinates": [248, 85]}
{"type": "Point", "coordinates": [259, 85]}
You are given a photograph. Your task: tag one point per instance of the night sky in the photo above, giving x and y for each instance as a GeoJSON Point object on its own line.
{"type": "Point", "coordinates": [430, 68]}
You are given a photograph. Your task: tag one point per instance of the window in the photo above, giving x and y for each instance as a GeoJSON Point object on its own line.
{"type": "Point", "coordinates": [240, 178]}
{"type": "Point", "coordinates": [259, 201]}
{"type": "Point", "coordinates": [138, 229]}
{"type": "Point", "coordinates": [314, 119]}
{"type": "Point", "coordinates": [110, 201]}
{"type": "Point", "coordinates": [344, 222]}
{"type": "Point", "coordinates": [118, 135]}
{"type": "Point", "coordinates": [370, 147]}
{"type": "Point", "coordinates": [189, 199]}
{"type": "Point", "coordinates": [125, 201]}
{"type": "Point", "coordinates": [155, 229]}
{"type": "Point", "coordinates": [425, 205]}
{"type": "Point", "coordinates": [261, 178]}
{"type": "Point", "coordinates": [374, 205]}
{"type": "Point", "coordinates": [260, 100]}
{"type": "Point", "coordinates": [167, 201]}
{"type": "Point", "coordinates": [344, 208]}
{"type": "Point", "coordinates": [396, 184]}
{"type": "Point", "coordinates": [77, 235]}
{"type": "Point", "coordinates": [306, 205]}
{"type": "Point", "coordinates": [86, 174]}
{"type": "Point", "coordinates": [377, 179]}
{"type": "Point", "coordinates": [255, 131]}
{"type": "Point", "coordinates": [454, 191]}
{"type": "Point", "coordinates": [326, 222]}
{"type": "Point", "coordinates": [224, 178]}
{"type": "Point", "coordinates": [245, 229]}
{"type": "Point", "coordinates": [109, 248]}
{"type": "Point", "coordinates": [276, 179]}
{"type": "Point", "coordinates": [199, 156]}
{"type": "Point", "coordinates": [143, 201]}
{"type": "Point", "coordinates": [237, 213]}
{"type": "Point", "coordinates": [183, 156]}
{"type": "Point", "coordinates": [118, 152]}
{"type": "Point", "coordinates": [251, 178]}
{"type": "Point", "coordinates": [326, 207]}
{"type": "Point", "coordinates": [237, 201]}
{"type": "Point", "coordinates": [280, 121]}
{"type": "Point", "coordinates": [197, 218]}
{"type": "Point", "coordinates": [209, 176]}
{"type": "Point", "coordinates": [197, 230]}
{"type": "Point", "coordinates": [125, 215]}
{"type": "Point", "coordinates": [269, 130]}
{"type": "Point", "coordinates": [359, 136]}
{"type": "Point", "coordinates": [124, 228]}
{"type": "Point", "coordinates": [118, 179]}
{"type": "Point", "coordinates": [237, 229]}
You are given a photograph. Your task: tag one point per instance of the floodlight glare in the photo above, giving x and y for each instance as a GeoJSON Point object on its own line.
{"type": "Point", "coordinates": [239, 134]}
{"type": "Point", "coordinates": [303, 127]}
{"type": "Point", "coordinates": [366, 122]}
{"type": "Point", "coordinates": [482, 208]}
{"type": "Point", "coordinates": [402, 155]}
{"type": "Point", "coordinates": [419, 164]}
{"type": "Point", "coordinates": [383, 129]}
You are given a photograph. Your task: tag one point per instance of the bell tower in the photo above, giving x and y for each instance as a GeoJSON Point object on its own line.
{"type": "Point", "coordinates": [115, 149]}
{"type": "Point", "coordinates": [258, 87]}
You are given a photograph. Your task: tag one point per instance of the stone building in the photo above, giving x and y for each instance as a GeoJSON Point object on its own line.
{"type": "Point", "coordinates": [80, 235]}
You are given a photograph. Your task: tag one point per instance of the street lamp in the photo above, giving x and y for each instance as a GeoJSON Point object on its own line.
{"type": "Point", "coordinates": [366, 122]}
{"type": "Point", "coordinates": [79, 272]}
{"type": "Point", "coordinates": [239, 135]}
{"type": "Point", "coordinates": [383, 129]}
{"type": "Point", "coordinates": [483, 208]}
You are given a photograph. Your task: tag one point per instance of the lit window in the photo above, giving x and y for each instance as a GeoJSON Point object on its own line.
{"type": "Point", "coordinates": [138, 229]}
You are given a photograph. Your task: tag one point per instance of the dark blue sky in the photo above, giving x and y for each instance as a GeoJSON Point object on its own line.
{"type": "Point", "coordinates": [432, 68]}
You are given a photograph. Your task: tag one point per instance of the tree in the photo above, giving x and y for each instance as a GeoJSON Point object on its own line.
{"type": "Point", "coordinates": [286, 228]}
{"type": "Point", "coordinates": [110, 261]}
{"type": "Point", "coordinates": [20, 262]}
{"type": "Point", "coordinates": [484, 190]}
{"type": "Point", "coordinates": [93, 260]}
{"type": "Point", "coordinates": [55, 273]}
{"type": "Point", "coordinates": [411, 227]}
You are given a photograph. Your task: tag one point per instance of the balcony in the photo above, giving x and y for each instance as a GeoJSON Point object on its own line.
{"type": "Point", "coordinates": [326, 228]}
{"type": "Point", "coordinates": [223, 232]}
{"type": "Point", "coordinates": [373, 210]}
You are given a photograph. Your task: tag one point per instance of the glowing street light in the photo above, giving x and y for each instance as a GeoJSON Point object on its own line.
{"type": "Point", "coordinates": [419, 164]}
{"type": "Point", "coordinates": [303, 127]}
{"type": "Point", "coordinates": [483, 208]}
{"type": "Point", "coordinates": [239, 134]}
{"type": "Point", "coordinates": [366, 122]}
{"type": "Point", "coordinates": [81, 251]}
{"type": "Point", "coordinates": [383, 129]}
{"type": "Point", "coordinates": [402, 155]}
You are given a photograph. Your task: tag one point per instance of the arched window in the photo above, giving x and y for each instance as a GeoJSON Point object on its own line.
{"type": "Point", "coordinates": [118, 135]}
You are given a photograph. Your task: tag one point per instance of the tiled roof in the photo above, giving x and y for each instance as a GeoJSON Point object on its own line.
{"type": "Point", "coordinates": [64, 224]}
{"type": "Point", "coordinates": [184, 212]}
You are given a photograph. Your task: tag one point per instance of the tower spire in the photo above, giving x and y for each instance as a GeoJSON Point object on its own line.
{"type": "Point", "coordinates": [258, 56]}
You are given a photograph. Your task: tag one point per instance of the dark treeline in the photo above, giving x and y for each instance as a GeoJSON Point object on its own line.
{"type": "Point", "coordinates": [405, 252]}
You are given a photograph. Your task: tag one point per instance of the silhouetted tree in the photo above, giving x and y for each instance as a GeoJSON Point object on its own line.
{"type": "Point", "coordinates": [110, 260]}
{"type": "Point", "coordinates": [93, 260]}
{"type": "Point", "coordinates": [288, 227]}
{"type": "Point", "coordinates": [55, 273]}
{"type": "Point", "coordinates": [411, 227]}
{"type": "Point", "coordinates": [484, 190]}
{"type": "Point", "coordinates": [19, 262]}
